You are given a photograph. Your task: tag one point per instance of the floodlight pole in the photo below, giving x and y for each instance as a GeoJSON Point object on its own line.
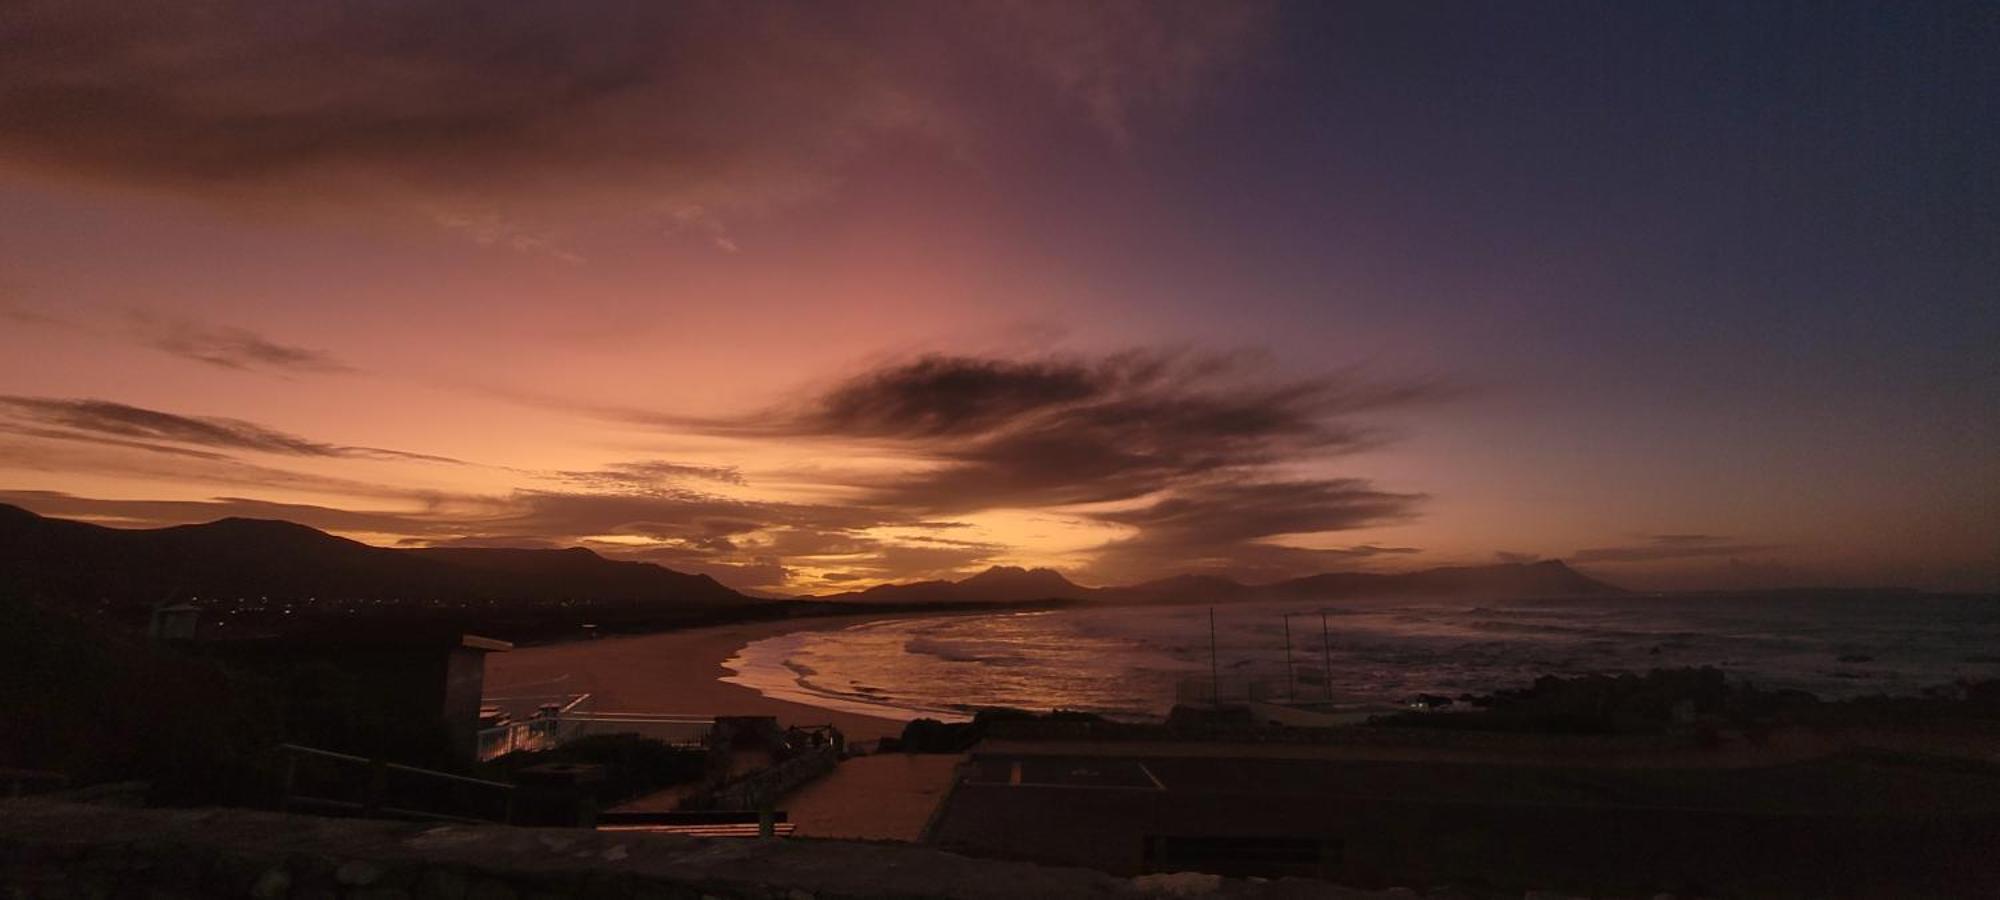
{"type": "Point", "coordinates": [1326, 654]}
{"type": "Point", "coordinates": [1214, 669]}
{"type": "Point", "coordinates": [1291, 682]}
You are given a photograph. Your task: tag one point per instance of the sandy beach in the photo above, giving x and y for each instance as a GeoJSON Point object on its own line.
{"type": "Point", "coordinates": [672, 672]}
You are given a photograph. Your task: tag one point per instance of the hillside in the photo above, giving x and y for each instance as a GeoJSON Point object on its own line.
{"type": "Point", "coordinates": [127, 571]}
{"type": "Point", "coordinates": [268, 569]}
{"type": "Point", "coordinates": [1000, 584]}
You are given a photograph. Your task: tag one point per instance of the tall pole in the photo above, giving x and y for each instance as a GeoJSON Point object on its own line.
{"type": "Point", "coordinates": [1326, 654]}
{"type": "Point", "coordinates": [1291, 683]}
{"type": "Point", "coordinates": [1214, 671]}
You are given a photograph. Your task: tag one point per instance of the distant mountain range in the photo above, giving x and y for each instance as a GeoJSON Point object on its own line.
{"type": "Point", "coordinates": [248, 558]}
{"type": "Point", "coordinates": [232, 559]}
{"type": "Point", "coordinates": [1011, 584]}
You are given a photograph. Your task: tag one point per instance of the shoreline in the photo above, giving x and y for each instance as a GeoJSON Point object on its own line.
{"type": "Point", "coordinates": [682, 672]}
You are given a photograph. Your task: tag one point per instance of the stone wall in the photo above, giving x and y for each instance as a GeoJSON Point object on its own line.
{"type": "Point", "coordinates": [60, 851]}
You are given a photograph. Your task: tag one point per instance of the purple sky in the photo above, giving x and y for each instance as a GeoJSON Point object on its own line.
{"type": "Point", "coordinates": [812, 295]}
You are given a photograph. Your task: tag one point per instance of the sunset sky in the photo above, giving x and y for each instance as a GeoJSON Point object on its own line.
{"type": "Point", "coordinates": [813, 296]}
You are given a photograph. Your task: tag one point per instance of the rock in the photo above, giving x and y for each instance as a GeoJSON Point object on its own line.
{"type": "Point", "coordinates": [273, 884]}
{"type": "Point", "coordinates": [358, 873]}
{"type": "Point", "coordinates": [379, 893]}
{"type": "Point", "coordinates": [1178, 884]}
{"type": "Point", "coordinates": [490, 890]}
{"type": "Point", "coordinates": [442, 884]}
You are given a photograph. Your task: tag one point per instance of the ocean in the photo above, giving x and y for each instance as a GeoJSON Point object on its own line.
{"type": "Point", "coordinates": [1128, 662]}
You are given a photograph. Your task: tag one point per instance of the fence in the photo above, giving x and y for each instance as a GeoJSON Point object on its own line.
{"type": "Point", "coordinates": [555, 725]}
{"type": "Point", "coordinates": [326, 781]}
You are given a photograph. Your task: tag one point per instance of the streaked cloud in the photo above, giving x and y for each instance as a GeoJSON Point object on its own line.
{"type": "Point", "coordinates": [1192, 448]}
{"type": "Point", "coordinates": [89, 418]}
{"type": "Point", "coordinates": [231, 348]}
{"type": "Point", "coordinates": [648, 475]}
{"type": "Point", "coordinates": [498, 118]}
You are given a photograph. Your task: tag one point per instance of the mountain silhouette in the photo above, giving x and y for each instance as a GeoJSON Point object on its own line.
{"type": "Point", "coordinates": [126, 570]}
{"type": "Point", "coordinates": [999, 584]}
{"type": "Point", "coordinates": [129, 571]}
{"type": "Point", "coordinates": [1009, 584]}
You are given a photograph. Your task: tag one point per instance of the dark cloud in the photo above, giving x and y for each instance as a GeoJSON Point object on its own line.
{"type": "Point", "coordinates": [1199, 440]}
{"type": "Point", "coordinates": [137, 426]}
{"type": "Point", "coordinates": [941, 396]}
{"type": "Point", "coordinates": [1059, 432]}
{"type": "Point", "coordinates": [233, 348]}
{"type": "Point", "coordinates": [1662, 547]}
{"type": "Point", "coordinates": [1227, 513]}
{"type": "Point", "coordinates": [695, 107]}
{"type": "Point", "coordinates": [1225, 528]}
{"type": "Point", "coordinates": [1508, 556]}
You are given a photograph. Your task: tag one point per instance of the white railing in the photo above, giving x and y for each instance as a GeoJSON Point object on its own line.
{"type": "Point", "coordinates": [670, 728]}
{"type": "Point", "coordinates": [546, 729]}
{"type": "Point", "coordinates": [555, 726]}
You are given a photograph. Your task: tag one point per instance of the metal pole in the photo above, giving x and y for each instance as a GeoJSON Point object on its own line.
{"type": "Point", "coordinates": [1326, 654]}
{"type": "Point", "coordinates": [1291, 682]}
{"type": "Point", "coordinates": [1214, 670]}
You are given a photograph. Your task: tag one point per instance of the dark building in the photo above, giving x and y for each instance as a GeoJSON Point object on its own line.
{"type": "Point", "coordinates": [409, 695]}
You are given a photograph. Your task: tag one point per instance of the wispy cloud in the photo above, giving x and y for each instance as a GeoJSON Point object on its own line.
{"type": "Point", "coordinates": [596, 108]}
{"type": "Point", "coordinates": [648, 475]}
{"type": "Point", "coordinates": [90, 418]}
{"type": "Point", "coordinates": [223, 346]}
{"type": "Point", "coordinates": [230, 347]}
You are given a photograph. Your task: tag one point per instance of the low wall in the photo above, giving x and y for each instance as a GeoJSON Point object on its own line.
{"type": "Point", "coordinates": [53, 850]}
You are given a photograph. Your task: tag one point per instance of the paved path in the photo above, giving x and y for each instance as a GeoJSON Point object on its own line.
{"type": "Point", "coordinates": [887, 796]}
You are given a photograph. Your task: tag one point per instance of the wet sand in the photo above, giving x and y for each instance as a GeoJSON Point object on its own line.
{"type": "Point", "coordinates": [672, 672]}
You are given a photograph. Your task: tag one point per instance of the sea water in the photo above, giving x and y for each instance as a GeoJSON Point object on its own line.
{"type": "Point", "coordinates": [1126, 662]}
